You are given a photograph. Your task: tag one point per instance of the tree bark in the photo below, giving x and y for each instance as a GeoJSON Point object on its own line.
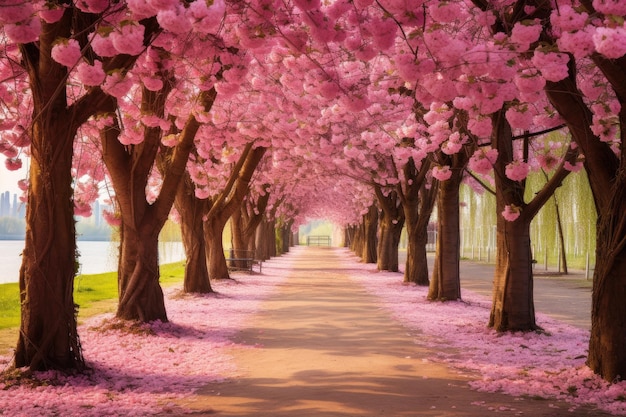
{"type": "Point", "coordinates": [140, 295]}
{"type": "Point", "coordinates": [390, 230]}
{"type": "Point", "coordinates": [265, 240]}
{"type": "Point", "coordinates": [369, 240]}
{"type": "Point", "coordinates": [213, 231]}
{"type": "Point", "coordinates": [605, 170]}
{"type": "Point", "coordinates": [224, 206]}
{"type": "Point", "coordinates": [446, 281]}
{"type": "Point", "coordinates": [513, 305]}
{"type": "Point", "coordinates": [191, 210]}
{"type": "Point", "coordinates": [48, 338]}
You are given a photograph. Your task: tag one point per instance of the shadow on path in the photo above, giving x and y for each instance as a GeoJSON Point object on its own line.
{"type": "Point", "coordinates": [322, 347]}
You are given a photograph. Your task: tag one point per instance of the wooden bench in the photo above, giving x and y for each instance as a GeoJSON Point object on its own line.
{"type": "Point", "coordinates": [315, 240]}
{"type": "Point", "coordinates": [244, 261]}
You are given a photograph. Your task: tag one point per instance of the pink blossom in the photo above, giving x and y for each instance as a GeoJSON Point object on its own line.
{"type": "Point", "coordinates": [567, 19]}
{"type": "Point", "coordinates": [82, 209]}
{"type": "Point", "coordinates": [128, 39]}
{"type": "Point", "coordinates": [511, 212]}
{"type": "Point", "coordinates": [90, 75]}
{"type": "Point", "coordinates": [529, 81]}
{"type": "Point", "coordinates": [92, 6]}
{"type": "Point", "coordinates": [66, 52]}
{"type": "Point", "coordinates": [610, 42]}
{"type": "Point", "coordinates": [113, 219]}
{"type": "Point", "coordinates": [445, 12]}
{"type": "Point", "coordinates": [18, 12]}
{"type": "Point", "coordinates": [553, 65]}
{"type": "Point", "coordinates": [480, 126]}
{"type": "Point", "coordinates": [23, 185]}
{"type": "Point", "coordinates": [117, 85]}
{"type": "Point", "coordinates": [51, 13]}
{"type": "Point", "coordinates": [202, 193]}
{"type": "Point", "coordinates": [454, 144]}
{"type": "Point", "coordinates": [614, 7]}
{"type": "Point", "coordinates": [141, 9]}
{"type": "Point", "coordinates": [525, 33]}
{"type": "Point", "coordinates": [103, 45]}
{"type": "Point", "coordinates": [517, 170]}
{"type": "Point", "coordinates": [13, 164]}
{"type": "Point", "coordinates": [170, 140]}
{"type": "Point", "coordinates": [579, 43]}
{"type": "Point", "coordinates": [482, 160]}
{"type": "Point", "coordinates": [206, 19]}
{"type": "Point", "coordinates": [174, 20]}
{"type": "Point", "coordinates": [442, 173]}
{"type": "Point", "coordinates": [520, 117]}
{"type": "Point", "coordinates": [23, 32]}
{"type": "Point", "coordinates": [152, 84]}
{"type": "Point", "coordinates": [307, 5]}
{"type": "Point", "coordinates": [573, 167]}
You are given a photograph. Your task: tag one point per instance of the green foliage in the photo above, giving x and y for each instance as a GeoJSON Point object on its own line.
{"type": "Point", "coordinates": [315, 228]}
{"type": "Point", "coordinates": [9, 305]}
{"type": "Point", "coordinates": [88, 289]}
{"type": "Point", "coordinates": [577, 212]}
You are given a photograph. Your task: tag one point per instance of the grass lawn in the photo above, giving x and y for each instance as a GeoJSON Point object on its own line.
{"type": "Point", "coordinates": [95, 294]}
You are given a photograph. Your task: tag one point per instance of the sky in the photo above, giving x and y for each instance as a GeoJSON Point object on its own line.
{"type": "Point", "coordinates": [9, 179]}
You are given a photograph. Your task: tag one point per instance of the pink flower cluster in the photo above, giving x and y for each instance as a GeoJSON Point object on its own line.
{"type": "Point", "coordinates": [511, 212]}
{"type": "Point", "coordinates": [482, 160]}
{"type": "Point", "coordinates": [442, 173]}
{"type": "Point", "coordinates": [517, 170]}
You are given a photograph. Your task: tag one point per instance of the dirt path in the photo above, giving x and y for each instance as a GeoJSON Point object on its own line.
{"type": "Point", "coordinates": [321, 347]}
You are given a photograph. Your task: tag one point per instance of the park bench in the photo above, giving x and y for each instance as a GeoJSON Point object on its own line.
{"type": "Point", "coordinates": [318, 240]}
{"type": "Point", "coordinates": [242, 260]}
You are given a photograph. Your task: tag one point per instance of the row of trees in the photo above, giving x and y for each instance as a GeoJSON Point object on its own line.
{"type": "Point", "coordinates": [369, 113]}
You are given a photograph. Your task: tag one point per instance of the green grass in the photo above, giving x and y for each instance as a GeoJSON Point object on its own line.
{"type": "Point", "coordinates": [88, 290]}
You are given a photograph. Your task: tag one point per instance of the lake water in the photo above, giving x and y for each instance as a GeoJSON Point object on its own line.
{"type": "Point", "coordinates": [95, 257]}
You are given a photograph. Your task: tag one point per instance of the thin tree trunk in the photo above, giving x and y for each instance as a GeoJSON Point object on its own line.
{"type": "Point", "coordinates": [213, 231]}
{"type": "Point", "coordinates": [390, 227]}
{"type": "Point", "coordinates": [446, 282]}
{"type": "Point", "coordinates": [265, 240]}
{"type": "Point", "coordinates": [418, 207]}
{"type": "Point", "coordinates": [369, 241]}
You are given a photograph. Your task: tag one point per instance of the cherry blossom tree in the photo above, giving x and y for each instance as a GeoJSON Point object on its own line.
{"type": "Point", "coordinates": [48, 49]}
{"type": "Point", "coordinates": [588, 91]}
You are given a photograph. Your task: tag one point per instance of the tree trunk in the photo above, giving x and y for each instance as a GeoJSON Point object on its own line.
{"type": "Point", "coordinates": [446, 282]}
{"type": "Point", "coordinates": [191, 210]}
{"type": "Point", "coordinates": [265, 240]}
{"type": "Point", "coordinates": [513, 306]}
{"type": "Point", "coordinates": [48, 338]}
{"type": "Point", "coordinates": [369, 238]}
{"type": "Point", "coordinates": [213, 231]}
{"type": "Point", "coordinates": [416, 268]}
{"type": "Point", "coordinates": [607, 344]}
{"type": "Point", "coordinates": [140, 294]}
{"type": "Point", "coordinates": [390, 229]}
{"type": "Point", "coordinates": [390, 232]}
{"type": "Point", "coordinates": [417, 209]}
{"type": "Point", "coordinates": [607, 351]}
